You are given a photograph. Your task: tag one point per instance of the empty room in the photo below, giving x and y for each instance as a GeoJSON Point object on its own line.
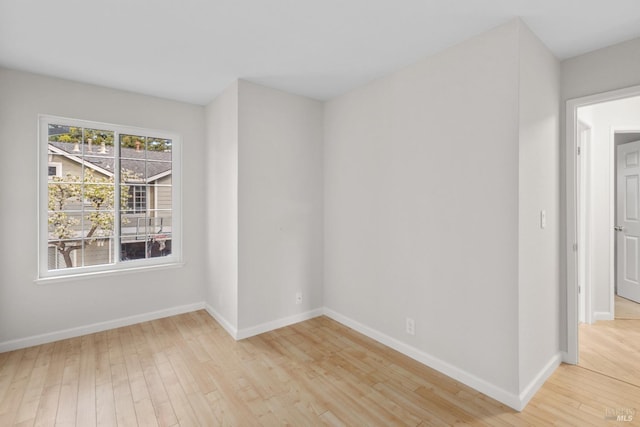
{"type": "Point", "coordinates": [311, 213]}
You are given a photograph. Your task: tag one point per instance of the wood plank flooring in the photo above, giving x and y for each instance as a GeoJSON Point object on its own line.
{"type": "Point", "coordinates": [626, 309]}
{"type": "Point", "coordinates": [186, 371]}
{"type": "Point", "coordinates": [612, 347]}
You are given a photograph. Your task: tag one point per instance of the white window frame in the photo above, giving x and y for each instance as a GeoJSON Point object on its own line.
{"type": "Point", "coordinates": [174, 259]}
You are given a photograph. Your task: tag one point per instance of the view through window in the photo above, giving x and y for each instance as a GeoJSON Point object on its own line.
{"type": "Point", "coordinates": [109, 195]}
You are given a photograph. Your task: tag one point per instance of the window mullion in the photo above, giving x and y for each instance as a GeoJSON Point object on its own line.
{"type": "Point", "coordinates": [117, 202]}
{"type": "Point", "coordinates": [83, 178]}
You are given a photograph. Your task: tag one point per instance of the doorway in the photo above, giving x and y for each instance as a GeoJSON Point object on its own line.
{"type": "Point", "coordinates": [627, 228]}
{"type": "Point", "coordinates": [590, 206]}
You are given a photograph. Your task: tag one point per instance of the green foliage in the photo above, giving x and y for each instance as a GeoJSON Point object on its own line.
{"type": "Point", "coordinates": [65, 190]}
{"type": "Point", "coordinates": [71, 134]}
{"type": "Point", "coordinates": [151, 144]}
{"type": "Point", "coordinates": [79, 135]}
{"type": "Point", "coordinates": [61, 225]}
{"type": "Point", "coordinates": [73, 193]}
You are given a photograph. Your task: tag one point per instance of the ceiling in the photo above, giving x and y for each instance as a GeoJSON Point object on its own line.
{"type": "Point", "coordinates": [190, 50]}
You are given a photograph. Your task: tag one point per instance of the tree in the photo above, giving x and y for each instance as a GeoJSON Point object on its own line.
{"type": "Point", "coordinates": [73, 134]}
{"type": "Point", "coordinates": [97, 195]}
{"type": "Point", "coordinates": [148, 143]}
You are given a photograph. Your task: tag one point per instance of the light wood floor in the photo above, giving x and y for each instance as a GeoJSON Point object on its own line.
{"type": "Point", "coordinates": [612, 347]}
{"type": "Point", "coordinates": [626, 309]}
{"type": "Point", "coordinates": [185, 370]}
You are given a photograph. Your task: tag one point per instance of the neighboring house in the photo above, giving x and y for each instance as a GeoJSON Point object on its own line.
{"type": "Point", "coordinates": [146, 222]}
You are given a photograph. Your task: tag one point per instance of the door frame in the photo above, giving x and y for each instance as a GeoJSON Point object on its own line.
{"type": "Point", "coordinates": [572, 211]}
{"type": "Point", "coordinates": [583, 262]}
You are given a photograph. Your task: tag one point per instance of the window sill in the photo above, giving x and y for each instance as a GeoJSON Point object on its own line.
{"type": "Point", "coordinates": [95, 274]}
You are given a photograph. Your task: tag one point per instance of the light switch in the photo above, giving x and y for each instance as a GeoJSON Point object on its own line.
{"type": "Point", "coordinates": [543, 218]}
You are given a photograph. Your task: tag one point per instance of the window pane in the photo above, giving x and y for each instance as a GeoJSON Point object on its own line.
{"type": "Point", "coordinates": [98, 251]}
{"type": "Point", "coordinates": [64, 194]}
{"type": "Point", "coordinates": [160, 197]}
{"type": "Point", "coordinates": [134, 234]}
{"type": "Point", "coordinates": [159, 246]}
{"type": "Point", "coordinates": [99, 155]}
{"type": "Point", "coordinates": [98, 142]}
{"type": "Point", "coordinates": [62, 134]}
{"type": "Point", "coordinates": [98, 223]}
{"type": "Point", "coordinates": [98, 196]}
{"type": "Point", "coordinates": [133, 171]}
{"type": "Point", "coordinates": [161, 221]}
{"type": "Point", "coordinates": [55, 259]}
{"type": "Point", "coordinates": [64, 225]}
{"type": "Point", "coordinates": [155, 225]}
{"type": "Point", "coordinates": [65, 239]}
{"type": "Point", "coordinates": [157, 170]}
{"type": "Point", "coordinates": [133, 250]}
{"type": "Point", "coordinates": [133, 146]}
{"type": "Point", "coordinates": [159, 149]}
{"type": "Point", "coordinates": [133, 226]}
{"type": "Point", "coordinates": [64, 254]}
{"type": "Point", "coordinates": [140, 171]}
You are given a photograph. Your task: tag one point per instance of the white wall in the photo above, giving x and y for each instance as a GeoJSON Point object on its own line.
{"type": "Point", "coordinates": [539, 182]}
{"type": "Point", "coordinates": [221, 214]}
{"type": "Point", "coordinates": [27, 308]}
{"type": "Point", "coordinates": [603, 118]}
{"type": "Point", "coordinates": [265, 153]}
{"type": "Point", "coordinates": [280, 199]}
{"type": "Point", "coordinates": [611, 68]}
{"type": "Point", "coordinates": [421, 206]}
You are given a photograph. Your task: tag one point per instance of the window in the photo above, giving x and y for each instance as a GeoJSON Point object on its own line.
{"type": "Point", "coordinates": [54, 169]}
{"type": "Point", "coordinates": [137, 202]}
{"type": "Point", "coordinates": [108, 199]}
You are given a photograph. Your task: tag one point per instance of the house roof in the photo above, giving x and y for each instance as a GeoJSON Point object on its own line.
{"type": "Point", "coordinates": [101, 159]}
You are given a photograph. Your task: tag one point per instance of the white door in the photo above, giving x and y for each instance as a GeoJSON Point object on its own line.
{"type": "Point", "coordinates": [628, 221]}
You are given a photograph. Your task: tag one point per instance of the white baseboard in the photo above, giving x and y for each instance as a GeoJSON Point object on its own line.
{"type": "Point", "coordinates": [239, 334]}
{"type": "Point", "coordinates": [512, 400]}
{"type": "Point", "coordinates": [517, 402]}
{"type": "Point", "coordinates": [279, 323]}
{"type": "Point", "coordinates": [231, 330]}
{"type": "Point", "coordinates": [132, 320]}
{"type": "Point", "coordinates": [96, 327]}
{"type": "Point", "coordinates": [539, 380]}
{"type": "Point", "coordinates": [602, 315]}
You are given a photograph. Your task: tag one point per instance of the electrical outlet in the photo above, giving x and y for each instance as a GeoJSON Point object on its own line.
{"type": "Point", "coordinates": [411, 326]}
{"type": "Point", "coordinates": [298, 297]}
